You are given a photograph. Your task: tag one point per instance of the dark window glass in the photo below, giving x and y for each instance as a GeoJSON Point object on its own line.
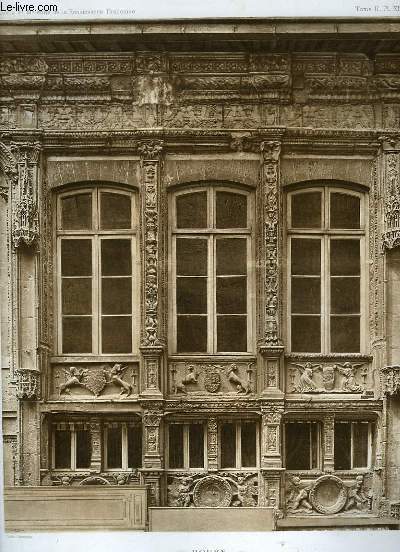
{"type": "Point", "coordinates": [192, 334]}
{"type": "Point", "coordinates": [231, 295]}
{"type": "Point", "coordinates": [345, 211]}
{"type": "Point", "coordinates": [83, 448]}
{"type": "Point", "coordinates": [342, 446]}
{"type": "Point", "coordinates": [306, 295]}
{"type": "Point", "coordinates": [298, 446]}
{"type": "Point", "coordinates": [249, 444]}
{"type": "Point", "coordinates": [77, 296]}
{"type": "Point", "coordinates": [77, 334]}
{"type": "Point", "coordinates": [116, 334]}
{"type": "Point", "coordinates": [116, 257]}
{"type": "Point", "coordinates": [191, 257]}
{"type": "Point", "coordinates": [134, 447]}
{"type": "Point", "coordinates": [76, 212]}
{"type": "Point", "coordinates": [306, 256]}
{"type": "Point", "coordinates": [231, 256]}
{"type": "Point", "coordinates": [191, 295]}
{"type": "Point", "coordinates": [345, 295]}
{"type": "Point", "coordinates": [231, 210]}
{"type": "Point", "coordinates": [114, 447]}
{"type": "Point", "coordinates": [196, 446]}
{"type": "Point", "coordinates": [231, 333]}
{"type": "Point", "coordinates": [62, 449]}
{"type": "Point", "coordinates": [306, 334]}
{"type": "Point", "coordinates": [314, 446]}
{"type": "Point", "coordinates": [76, 257]}
{"type": "Point", "coordinates": [345, 257]}
{"type": "Point", "coordinates": [228, 446]}
{"type": "Point", "coordinates": [175, 446]}
{"type": "Point", "coordinates": [115, 211]}
{"type": "Point", "coordinates": [345, 334]}
{"type": "Point", "coordinates": [191, 210]}
{"type": "Point", "coordinates": [116, 295]}
{"type": "Point", "coordinates": [360, 445]}
{"type": "Point", "coordinates": [306, 210]}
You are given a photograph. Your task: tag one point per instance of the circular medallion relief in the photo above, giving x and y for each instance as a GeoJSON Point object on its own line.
{"type": "Point", "coordinates": [328, 495]}
{"type": "Point", "coordinates": [212, 491]}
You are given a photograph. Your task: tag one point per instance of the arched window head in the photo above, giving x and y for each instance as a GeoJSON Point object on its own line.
{"type": "Point", "coordinates": [97, 283]}
{"type": "Point", "coordinates": [326, 243]}
{"type": "Point", "coordinates": [212, 251]}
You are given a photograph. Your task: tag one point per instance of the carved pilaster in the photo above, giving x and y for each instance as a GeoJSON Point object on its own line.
{"type": "Point", "coordinates": [152, 480]}
{"type": "Point", "coordinates": [95, 437]}
{"type": "Point", "coordinates": [151, 342]}
{"type": "Point", "coordinates": [391, 380]}
{"type": "Point", "coordinates": [24, 208]}
{"type": "Point", "coordinates": [28, 384]}
{"type": "Point", "coordinates": [329, 443]}
{"type": "Point", "coordinates": [271, 437]}
{"type": "Point", "coordinates": [212, 444]}
{"type": "Point", "coordinates": [152, 446]}
{"type": "Point", "coordinates": [271, 488]}
{"type": "Point", "coordinates": [391, 157]}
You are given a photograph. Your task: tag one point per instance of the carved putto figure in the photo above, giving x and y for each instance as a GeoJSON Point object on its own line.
{"type": "Point", "coordinates": [191, 377]}
{"type": "Point", "coordinates": [357, 498]}
{"type": "Point", "coordinates": [298, 498]}
{"type": "Point", "coordinates": [74, 377]}
{"type": "Point", "coordinates": [306, 383]}
{"type": "Point", "coordinates": [113, 375]}
{"type": "Point", "coordinates": [184, 495]}
{"type": "Point", "coordinates": [348, 372]}
{"type": "Point", "coordinates": [241, 385]}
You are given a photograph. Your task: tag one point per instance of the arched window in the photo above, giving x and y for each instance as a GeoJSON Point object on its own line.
{"type": "Point", "coordinates": [97, 282]}
{"type": "Point", "coordinates": [211, 231]}
{"type": "Point", "coordinates": [326, 258]}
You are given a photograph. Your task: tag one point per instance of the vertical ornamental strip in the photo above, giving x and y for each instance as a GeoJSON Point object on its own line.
{"type": "Point", "coordinates": [151, 342]}
{"type": "Point", "coordinates": [270, 343]}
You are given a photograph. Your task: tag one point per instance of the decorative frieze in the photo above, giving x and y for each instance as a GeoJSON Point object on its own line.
{"type": "Point", "coordinates": [197, 378]}
{"type": "Point", "coordinates": [327, 495]}
{"type": "Point", "coordinates": [98, 380]}
{"type": "Point", "coordinates": [213, 491]}
{"type": "Point", "coordinates": [391, 380]}
{"type": "Point", "coordinates": [310, 377]}
{"type": "Point", "coordinates": [28, 384]}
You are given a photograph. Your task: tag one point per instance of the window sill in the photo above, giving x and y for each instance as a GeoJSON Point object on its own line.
{"type": "Point", "coordinates": [329, 356]}
{"type": "Point", "coordinates": [69, 359]}
{"type": "Point", "coordinates": [207, 357]}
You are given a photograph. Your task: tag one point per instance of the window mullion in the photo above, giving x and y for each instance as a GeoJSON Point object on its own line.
{"type": "Point", "coordinates": [351, 445]}
{"type": "Point", "coordinates": [326, 307]}
{"type": "Point", "coordinates": [212, 286]}
{"type": "Point", "coordinates": [73, 447]}
{"type": "Point", "coordinates": [238, 459]}
{"type": "Point", "coordinates": [124, 445]}
{"type": "Point", "coordinates": [186, 446]}
{"type": "Point", "coordinates": [96, 283]}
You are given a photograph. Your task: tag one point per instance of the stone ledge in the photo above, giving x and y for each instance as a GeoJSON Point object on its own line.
{"type": "Point", "coordinates": [316, 522]}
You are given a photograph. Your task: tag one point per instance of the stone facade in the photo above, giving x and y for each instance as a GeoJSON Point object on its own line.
{"type": "Point", "coordinates": [306, 109]}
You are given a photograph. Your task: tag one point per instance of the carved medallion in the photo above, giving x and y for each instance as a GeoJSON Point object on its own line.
{"type": "Point", "coordinates": [212, 381]}
{"type": "Point", "coordinates": [328, 495]}
{"type": "Point", "coordinates": [95, 381]}
{"type": "Point", "coordinates": [212, 492]}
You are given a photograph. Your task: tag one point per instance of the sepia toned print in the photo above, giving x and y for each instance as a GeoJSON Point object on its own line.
{"type": "Point", "coordinates": [199, 266]}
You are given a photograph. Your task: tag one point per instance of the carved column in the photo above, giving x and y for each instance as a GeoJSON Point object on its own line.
{"type": "Point", "coordinates": [329, 442]}
{"type": "Point", "coordinates": [270, 344]}
{"type": "Point", "coordinates": [95, 438]}
{"type": "Point", "coordinates": [212, 444]}
{"type": "Point", "coordinates": [151, 340]}
{"type": "Point", "coordinates": [271, 455]}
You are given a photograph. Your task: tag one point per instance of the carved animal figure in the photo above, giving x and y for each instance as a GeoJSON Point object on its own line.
{"type": "Point", "coordinates": [241, 385]}
{"type": "Point", "coordinates": [113, 376]}
{"type": "Point", "coordinates": [191, 377]}
{"type": "Point", "coordinates": [74, 377]}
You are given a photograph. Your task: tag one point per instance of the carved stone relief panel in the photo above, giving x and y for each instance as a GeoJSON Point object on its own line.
{"type": "Point", "coordinates": [94, 380]}
{"type": "Point", "coordinates": [195, 378]}
{"type": "Point", "coordinates": [328, 495]}
{"type": "Point", "coordinates": [84, 478]}
{"type": "Point", "coordinates": [214, 491]}
{"type": "Point", "coordinates": [390, 376]}
{"type": "Point", "coordinates": [329, 377]}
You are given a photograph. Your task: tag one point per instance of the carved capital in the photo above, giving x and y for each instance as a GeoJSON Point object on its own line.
{"type": "Point", "coordinates": [270, 151]}
{"type": "Point", "coordinates": [391, 380]}
{"type": "Point", "coordinates": [28, 384]}
{"type": "Point", "coordinates": [150, 149]}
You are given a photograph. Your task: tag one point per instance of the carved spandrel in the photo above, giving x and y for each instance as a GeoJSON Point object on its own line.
{"type": "Point", "coordinates": [233, 378]}
{"type": "Point", "coordinates": [95, 381]}
{"type": "Point", "coordinates": [331, 377]}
